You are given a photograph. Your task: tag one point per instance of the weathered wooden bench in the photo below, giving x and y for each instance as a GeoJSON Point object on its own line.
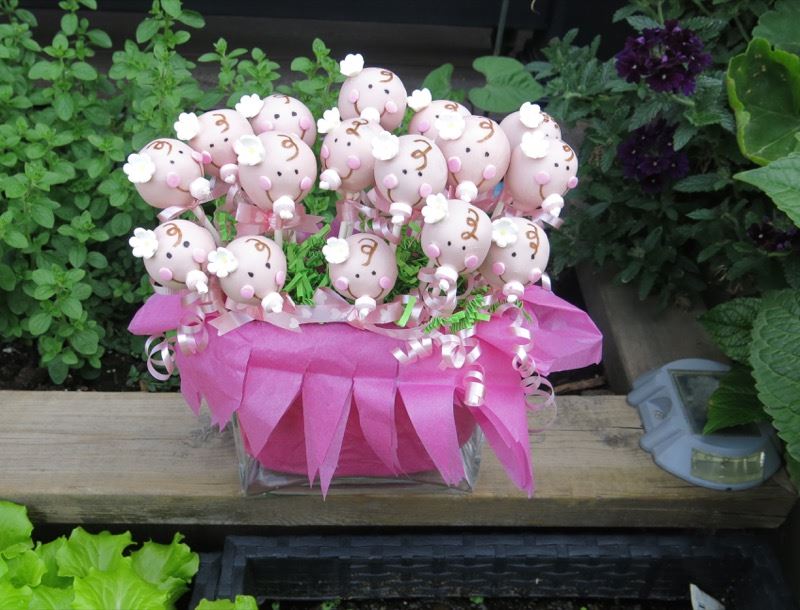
{"type": "Point", "coordinates": [134, 458]}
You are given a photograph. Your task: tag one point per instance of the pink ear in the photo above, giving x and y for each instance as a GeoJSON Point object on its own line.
{"type": "Point", "coordinates": [165, 274]}
{"type": "Point", "coordinates": [353, 162]}
{"type": "Point", "coordinates": [324, 152]}
{"type": "Point", "coordinates": [199, 255]}
{"type": "Point", "coordinates": [454, 164]}
{"type": "Point", "coordinates": [385, 282]}
{"type": "Point", "coordinates": [305, 122]}
{"type": "Point", "coordinates": [572, 182]}
{"type": "Point", "coordinates": [432, 250]}
{"type": "Point", "coordinates": [489, 172]}
{"type": "Point", "coordinates": [423, 126]}
{"type": "Point", "coordinates": [390, 181]}
{"type": "Point", "coordinates": [341, 283]}
{"type": "Point", "coordinates": [390, 107]}
{"type": "Point", "coordinates": [280, 278]}
{"type": "Point", "coordinates": [542, 177]}
{"type": "Point", "coordinates": [352, 97]}
{"type": "Point", "coordinates": [471, 261]}
{"type": "Point", "coordinates": [264, 182]}
{"type": "Point", "coordinates": [306, 183]}
{"type": "Point", "coordinates": [173, 180]}
{"type": "Point", "coordinates": [425, 189]}
{"type": "Point", "coordinates": [499, 268]}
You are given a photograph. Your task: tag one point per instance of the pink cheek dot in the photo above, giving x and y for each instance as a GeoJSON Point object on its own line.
{"type": "Point", "coordinates": [489, 172]}
{"type": "Point", "coordinates": [352, 97]}
{"type": "Point", "coordinates": [305, 122]}
{"type": "Point", "coordinates": [542, 178]}
{"type": "Point", "coordinates": [341, 283]}
{"type": "Point", "coordinates": [324, 152]}
{"type": "Point", "coordinates": [247, 291]}
{"type": "Point", "coordinates": [471, 261]}
{"type": "Point", "coordinates": [199, 255]}
{"type": "Point", "coordinates": [390, 181]}
{"type": "Point", "coordinates": [423, 126]}
{"type": "Point", "coordinates": [425, 189]}
{"type": "Point", "coordinates": [454, 164]}
{"type": "Point", "coordinates": [432, 250]}
{"type": "Point", "coordinates": [385, 282]}
{"type": "Point", "coordinates": [572, 182]}
{"type": "Point", "coordinates": [353, 162]}
{"type": "Point", "coordinates": [164, 274]}
{"type": "Point", "coordinates": [391, 107]}
{"type": "Point", "coordinates": [306, 183]}
{"type": "Point", "coordinates": [173, 180]}
{"type": "Point", "coordinates": [264, 182]}
{"type": "Point", "coordinates": [499, 268]}
{"type": "Point", "coordinates": [280, 278]}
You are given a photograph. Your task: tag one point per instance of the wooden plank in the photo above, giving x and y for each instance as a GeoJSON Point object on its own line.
{"type": "Point", "coordinates": [145, 458]}
{"type": "Point", "coordinates": [637, 337]}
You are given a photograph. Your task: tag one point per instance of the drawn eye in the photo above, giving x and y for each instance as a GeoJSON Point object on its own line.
{"type": "Point", "coordinates": [449, 243]}
{"type": "Point", "coordinates": [268, 266]}
{"type": "Point", "coordinates": [186, 244]}
{"type": "Point", "coordinates": [555, 164]}
{"type": "Point", "coordinates": [374, 273]}
{"type": "Point", "coordinates": [169, 254]}
{"type": "Point", "coordinates": [436, 116]}
{"type": "Point", "coordinates": [211, 145]}
{"type": "Point", "coordinates": [348, 143]}
{"type": "Point", "coordinates": [277, 116]}
{"type": "Point", "coordinates": [567, 167]}
{"type": "Point", "coordinates": [336, 139]}
{"type": "Point", "coordinates": [250, 273]}
{"type": "Point", "coordinates": [468, 149]}
{"type": "Point", "coordinates": [172, 162]}
{"type": "Point", "coordinates": [464, 248]}
{"type": "Point", "coordinates": [405, 171]}
{"type": "Point", "coordinates": [419, 173]}
{"type": "Point", "coordinates": [280, 174]}
{"type": "Point", "coordinates": [369, 86]}
{"type": "Point", "coordinates": [357, 275]}
{"type": "Point", "coordinates": [226, 139]}
{"type": "Point", "coordinates": [533, 256]}
{"type": "Point", "coordinates": [296, 172]}
{"type": "Point", "coordinates": [294, 113]}
{"type": "Point", "coordinates": [386, 91]}
{"type": "Point", "coordinates": [513, 255]}
{"type": "Point", "coordinates": [180, 151]}
{"type": "Point", "coordinates": [486, 154]}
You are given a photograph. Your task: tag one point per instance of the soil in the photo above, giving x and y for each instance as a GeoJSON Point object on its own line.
{"type": "Point", "coordinates": [485, 604]}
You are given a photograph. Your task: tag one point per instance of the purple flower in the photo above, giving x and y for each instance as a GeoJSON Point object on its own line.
{"type": "Point", "coordinates": [668, 59]}
{"type": "Point", "coordinates": [768, 237]}
{"type": "Point", "coordinates": [648, 157]}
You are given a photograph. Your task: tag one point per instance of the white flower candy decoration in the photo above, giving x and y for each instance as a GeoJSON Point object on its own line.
{"type": "Point", "coordinates": [435, 208]}
{"type": "Point", "coordinates": [385, 146]}
{"type": "Point", "coordinates": [450, 125]}
{"type": "Point", "coordinates": [200, 188]}
{"type": "Point", "coordinates": [139, 168]}
{"type": "Point", "coordinates": [144, 243]}
{"type": "Point", "coordinates": [249, 105]}
{"type": "Point", "coordinates": [249, 150]}
{"type": "Point", "coordinates": [352, 64]}
{"type": "Point", "coordinates": [336, 250]}
{"type": "Point", "coordinates": [534, 144]}
{"type": "Point", "coordinates": [419, 99]}
{"type": "Point", "coordinates": [504, 232]}
{"type": "Point", "coordinates": [187, 126]}
{"type": "Point", "coordinates": [330, 120]}
{"type": "Point", "coordinates": [370, 114]}
{"type": "Point", "coordinates": [531, 115]}
{"type": "Point", "coordinates": [222, 262]}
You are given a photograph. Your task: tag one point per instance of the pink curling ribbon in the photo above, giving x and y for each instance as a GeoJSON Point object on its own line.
{"type": "Point", "coordinates": [239, 314]}
{"type": "Point", "coordinates": [438, 304]}
{"type": "Point", "coordinates": [252, 220]}
{"type": "Point", "coordinates": [160, 356]}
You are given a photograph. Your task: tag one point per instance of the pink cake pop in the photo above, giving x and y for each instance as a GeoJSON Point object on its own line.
{"type": "Point", "coordinates": [251, 271]}
{"type": "Point", "coordinates": [167, 173]}
{"type": "Point", "coordinates": [276, 170]}
{"type": "Point", "coordinates": [529, 118]}
{"type": "Point", "coordinates": [375, 88]}
{"type": "Point", "coordinates": [174, 254]}
{"type": "Point", "coordinates": [213, 135]}
{"type": "Point", "coordinates": [362, 269]}
{"type": "Point", "coordinates": [346, 153]}
{"type": "Point", "coordinates": [427, 111]}
{"type": "Point", "coordinates": [541, 172]}
{"type": "Point", "coordinates": [279, 112]}
{"type": "Point", "coordinates": [477, 153]}
{"type": "Point", "coordinates": [518, 256]}
{"type": "Point", "coordinates": [407, 169]}
{"type": "Point", "coordinates": [456, 237]}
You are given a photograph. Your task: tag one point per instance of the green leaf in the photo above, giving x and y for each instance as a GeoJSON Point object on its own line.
{"type": "Point", "coordinates": [791, 269]}
{"type": "Point", "coordinates": [146, 30]}
{"type": "Point", "coordinates": [171, 7]}
{"type": "Point", "coordinates": [15, 527]}
{"type": "Point", "coordinates": [775, 357]}
{"type": "Point", "coordinates": [191, 18]}
{"type": "Point", "coordinates": [83, 551]}
{"type": "Point", "coordinates": [63, 105]}
{"type": "Point", "coordinates": [58, 371]}
{"type": "Point", "coordinates": [44, 70]}
{"type": "Point", "coordinates": [302, 64]}
{"type": "Point", "coordinates": [99, 38]}
{"type": "Point", "coordinates": [72, 308]}
{"type": "Point", "coordinates": [702, 214]}
{"type": "Point", "coordinates": [7, 277]}
{"type": "Point", "coordinates": [763, 89]}
{"type": "Point", "coordinates": [69, 23]}
{"type": "Point", "coordinates": [168, 566]}
{"type": "Point", "coordinates": [120, 223]}
{"type": "Point", "coordinates": [730, 325]}
{"type": "Point", "coordinates": [85, 342]}
{"type": "Point", "coordinates": [118, 588]}
{"type": "Point", "coordinates": [439, 81]}
{"type": "Point", "coordinates": [779, 26]}
{"type": "Point", "coordinates": [700, 183]}
{"type": "Point", "coordinates": [51, 598]}
{"type": "Point", "coordinates": [25, 569]}
{"type": "Point", "coordinates": [13, 598]}
{"type": "Point", "coordinates": [243, 602]}
{"type": "Point", "coordinates": [42, 215]}
{"type": "Point", "coordinates": [640, 22]}
{"type": "Point", "coordinates": [508, 85]}
{"type": "Point", "coordinates": [735, 402]}
{"type": "Point", "coordinates": [781, 181]}
{"type": "Point", "coordinates": [39, 323]}
{"type": "Point", "coordinates": [47, 553]}
{"type": "Point", "coordinates": [83, 71]}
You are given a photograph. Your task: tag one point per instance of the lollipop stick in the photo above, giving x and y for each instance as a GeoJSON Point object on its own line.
{"type": "Point", "coordinates": [200, 214]}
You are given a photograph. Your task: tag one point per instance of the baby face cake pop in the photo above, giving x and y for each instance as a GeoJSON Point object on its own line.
{"type": "Point", "coordinates": [477, 153]}
{"type": "Point", "coordinates": [407, 169]}
{"type": "Point", "coordinates": [428, 111]}
{"type": "Point", "coordinates": [346, 153]}
{"type": "Point", "coordinates": [518, 256]}
{"type": "Point", "coordinates": [213, 135]}
{"type": "Point", "coordinates": [279, 112]}
{"type": "Point", "coordinates": [251, 271]}
{"type": "Point", "coordinates": [529, 118]}
{"type": "Point", "coordinates": [362, 269]}
{"type": "Point", "coordinates": [376, 88]}
{"type": "Point", "coordinates": [166, 173]}
{"type": "Point", "coordinates": [541, 172]}
{"type": "Point", "coordinates": [174, 254]}
{"type": "Point", "coordinates": [276, 170]}
{"type": "Point", "coordinates": [456, 237]}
